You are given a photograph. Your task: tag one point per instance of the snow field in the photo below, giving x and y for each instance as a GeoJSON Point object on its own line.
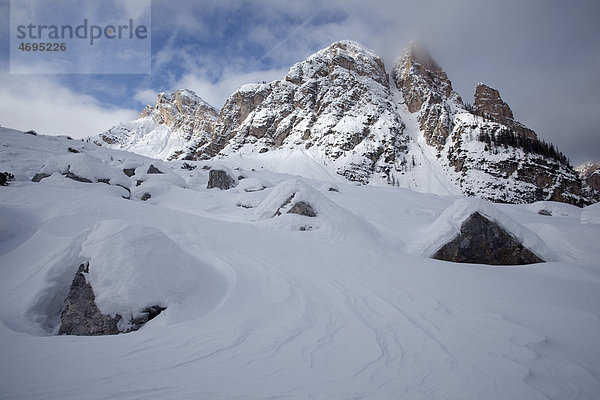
{"type": "Point", "coordinates": [259, 309]}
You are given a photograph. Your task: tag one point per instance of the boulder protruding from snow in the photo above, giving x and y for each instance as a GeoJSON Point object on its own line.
{"type": "Point", "coordinates": [302, 208]}
{"type": "Point", "coordinates": [220, 178]}
{"type": "Point", "coordinates": [482, 241]}
{"type": "Point", "coordinates": [153, 170]}
{"type": "Point", "coordinates": [80, 314]}
{"type": "Point", "coordinates": [475, 231]}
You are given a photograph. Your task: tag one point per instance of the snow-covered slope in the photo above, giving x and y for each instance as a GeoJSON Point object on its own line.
{"type": "Point", "coordinates": [175, 126]}
{"type": "Point", "coordinates": [337, 306]}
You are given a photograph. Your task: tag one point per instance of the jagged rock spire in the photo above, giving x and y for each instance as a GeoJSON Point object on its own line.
{"type": "Point", "coordinates": [489, 103]}
{"type": "Point", "coordinates": [426, 89]}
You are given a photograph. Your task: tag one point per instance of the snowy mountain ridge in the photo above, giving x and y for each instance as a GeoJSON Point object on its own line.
{"type": "Point", "coordinates": [340, 110]}
{"type": "Point", "coordinates": [177, 124]}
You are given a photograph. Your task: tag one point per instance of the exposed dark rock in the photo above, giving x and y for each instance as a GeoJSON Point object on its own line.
{"type": "Point", "coordinates": [488, 103]}
{"type": "Point", "coordinates": [80, 314]}
{"type": "Point", "coordinates": [285, 203]}
{"type": "Point", "coordinates": [218, 178]}
{"type": "Point", "coordinates": [5, 178]}
{"type": "Point", "coordinates": [188, 166]}
{"type": "Point", "coordinates": [31, 132]}
{"type": "Point", "coordinates": [153, 170]}
{"type": "Point", "coordinates": [545, 212]}
{"type": "Point", "coordinates": [104, 180]}
{"type": "Point", "coordinates": [77, 178]}
{"type": "Point", "coordinates": [207, 167]}
{"type": "Point", "coordinates": [72, 150]}
{"type": "Point", "coordinates": [241, 177]}
{"type": "Point", "coordinates": [482, 241]}
{"type": "Point", "coordinates": [139, 319]}
{"type": "Point", "coordinates": [332, 189]}
{"type": "Point", "coordinates": [39, 176]}
{"type": "Point", "coordinates": [129, 171]}
{"type": "Point", "coordinates": [263, 150]}
{"type": "Point", "coordinates": [139, 182]}
{"type": "Point", "coordinates": [302, 208]}
{"type": "Point", "coordinates": [146, 196]}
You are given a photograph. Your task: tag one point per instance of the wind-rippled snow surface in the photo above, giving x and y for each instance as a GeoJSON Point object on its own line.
{"type": "Point", "coordinates": [259, 309]}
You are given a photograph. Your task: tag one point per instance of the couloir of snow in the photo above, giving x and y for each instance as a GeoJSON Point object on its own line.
{"type": "Point", "coordinates": [256, 308]}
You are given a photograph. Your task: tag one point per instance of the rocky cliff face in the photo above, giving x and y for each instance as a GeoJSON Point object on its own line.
{"type": "Point", "coordinates": [427, 91]}
{"type": "Point", "coordinates": [590, 172]}
{"type": "Point", "coordinates": [177, 124]}
{"type": "Point", "coordinates": [336, 106]}
{"type": "Point", "coordinates": [340, 109]}
{"type": "Point", "coordinates": [482, 148]}
{"type": "Point", "coordinates": [489, 104]}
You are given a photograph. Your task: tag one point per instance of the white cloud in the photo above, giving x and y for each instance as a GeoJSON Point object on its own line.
{"type": "Point", "coordinates": [29, 102]}
{"type": "Point", "coordinates": [145, 96]}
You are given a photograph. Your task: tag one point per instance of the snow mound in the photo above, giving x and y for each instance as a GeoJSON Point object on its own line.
{"type": "Point", "coordinates": [554, 208]}
{"type": "Point", "coordinates": [155, 183]}
{"type": "Point", "coordinates": [332, 219]}
{"type": "Point", "coordinates": [84, 166]}
{"type": "Point", "coordinates": [133, 267]}
{"type": "Point", "coordinates": [447, 226]}
{"type": "Point", "coordinates": [284, 195]}
{"type": "Point", "coordinates": [591, 214]}
{"type": "Point", "coordinates": [253, 184]}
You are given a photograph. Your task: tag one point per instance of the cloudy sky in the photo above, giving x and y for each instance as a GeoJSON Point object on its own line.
{"type": "Point", "coordinates": [542, 55]}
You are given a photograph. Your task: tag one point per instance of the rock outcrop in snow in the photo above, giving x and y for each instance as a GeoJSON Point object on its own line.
{"type": "Point", "coordinates": [80, 314]}
{"type": "Point", "coordinates": [475, 231]}
{"type": "Point", "coordinates": [482, 241]}
{"type": "Point", "coordinates": [221, 179]}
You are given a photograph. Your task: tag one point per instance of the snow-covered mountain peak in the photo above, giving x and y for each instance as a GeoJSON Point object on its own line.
{"type": "Point", "coordinates": [177, 124]}
{"type": "Point", "coordinates": [345, 54]}
{"type": "Point", "coordinates": [426, 89]}
{"type": "Point", "coordinates": [336, 106]}
{"type": "Point", "coordinates": [338, 113]}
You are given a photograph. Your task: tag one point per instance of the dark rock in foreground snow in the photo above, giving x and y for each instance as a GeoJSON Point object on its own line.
{"type": "Point", "coordinates": [482, 241]}
{"type": "Point", "coordinates": [80, 314]}
{"type": "Point", "coordinates": [129, 171]}
{"type": "Point", "coordinates": [39, 176]}
{"type": "Point", "coordinates": [218, 178]}
{"type": "Point", "coordinates": [153, 170]}
{"type": "Point", "coordinates": [302, 208]}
